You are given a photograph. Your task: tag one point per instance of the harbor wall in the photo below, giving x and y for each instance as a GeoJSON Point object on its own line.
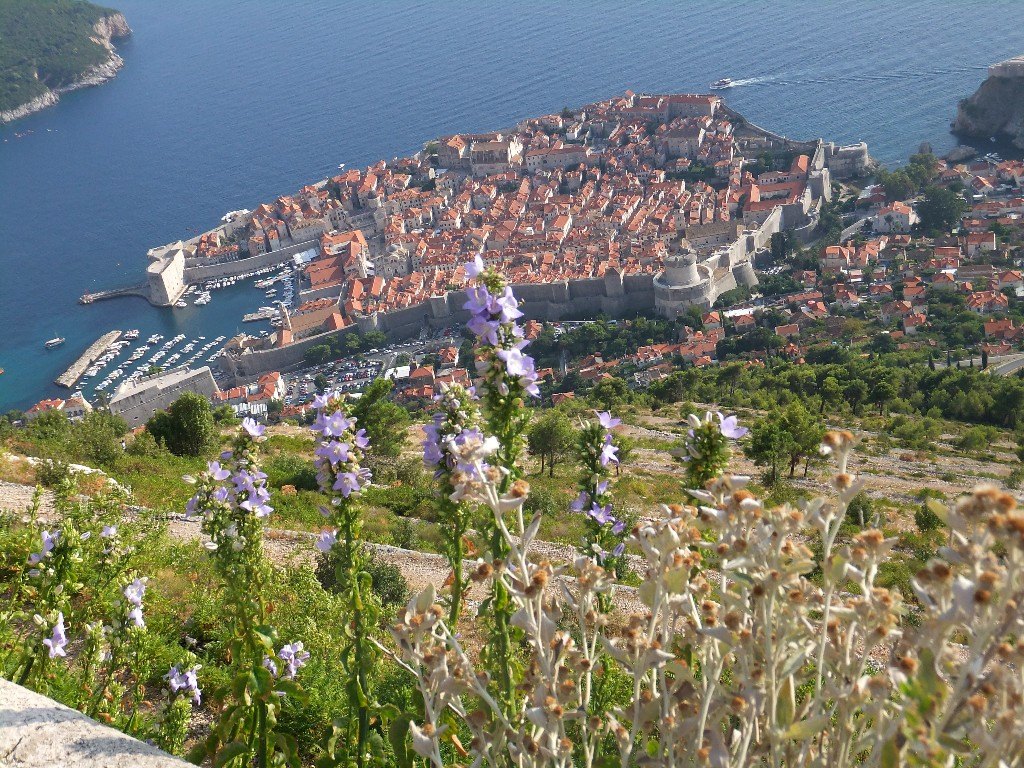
{"type": "Point", "coordinates": [233, 267]}
{"type": "Point", "coordinates": [71, 376]}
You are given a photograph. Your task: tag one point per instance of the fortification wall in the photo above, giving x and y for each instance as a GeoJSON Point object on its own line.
{"type": "Point", "coordinates": [197, 274]}
{"type": "Point", "coordinates": [1010, 68]}
{"type": "Point", "coordinates": [253, 363]}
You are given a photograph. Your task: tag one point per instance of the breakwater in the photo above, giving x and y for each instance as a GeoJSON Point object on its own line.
{"type": "Point", "coordinates": [71, 376]}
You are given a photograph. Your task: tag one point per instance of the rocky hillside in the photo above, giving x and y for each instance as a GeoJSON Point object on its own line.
{"type": "Point", "coordinates": [50, 47]}
{"type": "Point", "coordinates": [997, 108]}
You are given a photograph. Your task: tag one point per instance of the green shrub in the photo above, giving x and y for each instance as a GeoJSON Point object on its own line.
{"type": "Point", "coordinates": [388, 583]}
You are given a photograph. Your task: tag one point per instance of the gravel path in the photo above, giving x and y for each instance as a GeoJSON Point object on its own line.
{"type": "Point", "coordinates": [16, 498]}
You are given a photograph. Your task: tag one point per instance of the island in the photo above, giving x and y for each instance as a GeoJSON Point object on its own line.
{"type": "Point", "coordinates": [50, 47]}
{"type": "Point", "coordinates": [996, 109]}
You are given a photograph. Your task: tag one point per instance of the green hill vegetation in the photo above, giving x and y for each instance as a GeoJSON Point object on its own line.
{"type": "Point", "coordinates": [44, 45]}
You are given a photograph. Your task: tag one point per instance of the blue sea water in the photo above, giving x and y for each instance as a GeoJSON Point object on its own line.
{"type": "Point", "coordinates": [223, 104]}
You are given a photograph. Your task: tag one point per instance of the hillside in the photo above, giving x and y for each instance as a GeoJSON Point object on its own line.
{"type": "Point", "coordinates": [996, 109]}
{"type": "Point", "coordinates": [48, 47]}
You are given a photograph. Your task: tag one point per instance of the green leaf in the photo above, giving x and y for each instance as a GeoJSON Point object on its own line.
{"type": "Point", "coordinates": [267, 636]}
{"type": "Point", "coordinates": [804, 729]}
{"type": "Point", "coordinates": [292, 690]}
{"type": "Point", "coordinates": [230, 752]}
{"type": "Point", "coordinates": [786, 706]}
{"type": "Point", "coordinates": [399, 745]}
{"type": "Point", "coordinates": [890, 755]}
{"type": "Point", "coordinates": [262, 680]}
{"type": "Point", "coordinates": [289, 748]}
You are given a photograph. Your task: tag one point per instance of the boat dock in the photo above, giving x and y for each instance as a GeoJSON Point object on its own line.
{"type": "Point", "coordinates": [71, 376]}
{"type": "Point", "coordinates": [113, 293]}
{"type": "Point", "coordinates": [253, 317]}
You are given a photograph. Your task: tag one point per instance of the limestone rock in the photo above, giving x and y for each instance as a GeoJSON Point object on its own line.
{"type": "Point", "coordinates": [36, 731]}
{"type": "Point", "coordinates": [996, 110]}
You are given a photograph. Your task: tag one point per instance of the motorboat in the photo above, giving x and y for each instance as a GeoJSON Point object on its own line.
{"type": "Point", "coordinates": [725, 82]}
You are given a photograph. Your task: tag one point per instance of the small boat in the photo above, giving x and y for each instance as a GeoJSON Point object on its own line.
{"type": "Point", "coordinates": [132, 334]}
{"type": "Point", "coordinates": [725, 82]}
{"type": "Point", "coordinates": [181, 303]}
{"type": "Point", "coordinates": [54, 342]}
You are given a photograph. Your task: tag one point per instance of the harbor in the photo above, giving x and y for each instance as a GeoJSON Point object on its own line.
{"type": "Point", "coordinates": [95, 350]}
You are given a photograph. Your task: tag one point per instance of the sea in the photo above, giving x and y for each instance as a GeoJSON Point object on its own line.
{"type": "Point", "coordinates": [223, 104]}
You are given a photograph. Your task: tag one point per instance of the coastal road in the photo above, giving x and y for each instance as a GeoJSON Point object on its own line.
{"type": "Point", "coordinates": [852, 230]}
{"type": "Point", "coordinates": [998, 365]}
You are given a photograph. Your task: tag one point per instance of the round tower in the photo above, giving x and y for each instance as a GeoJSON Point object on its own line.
{"type": "Point", "coordinates": [681, 269]}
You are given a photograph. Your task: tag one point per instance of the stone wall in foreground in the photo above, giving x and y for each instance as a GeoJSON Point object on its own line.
{"type": "Point", "coordinates": [36, 731]}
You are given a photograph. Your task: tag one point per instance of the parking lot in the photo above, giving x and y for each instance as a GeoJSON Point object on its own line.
{"type": "Point", "coordinates": [353, 374]}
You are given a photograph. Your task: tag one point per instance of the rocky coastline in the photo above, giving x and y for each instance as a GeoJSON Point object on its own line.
{"type": "Point", "coordinates": [106, 30]}
{"type": "Point", "coordinates": [996, 110]}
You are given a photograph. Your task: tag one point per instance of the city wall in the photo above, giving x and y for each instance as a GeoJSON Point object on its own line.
{"type": "Point", "coordinates": [615, 295]}
{"type": "Point", "coordinates": [1010, 68]}
{"type": "Point", "coordinates": [196, 274]}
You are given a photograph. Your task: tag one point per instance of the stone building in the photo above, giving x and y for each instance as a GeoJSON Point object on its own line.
{"type": "Point", "coordinates": [137, 402]}
{"type": "Point", "coordinates": [165, 274]}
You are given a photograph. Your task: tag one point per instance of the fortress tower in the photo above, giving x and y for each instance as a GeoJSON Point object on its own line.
{"type": "Point", "coordinates": [683, 284]}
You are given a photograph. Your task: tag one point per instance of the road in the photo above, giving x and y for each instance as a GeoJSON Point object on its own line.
{"type": "Point", "coordinates": [998, 365]}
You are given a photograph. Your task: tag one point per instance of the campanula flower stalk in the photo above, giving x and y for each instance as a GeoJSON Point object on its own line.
{"type": "Point", "coordinates": [457, 420]}
{"type": "Point", "coordinates": [183, 693]}
{"type": "Point", "coordinates": [509, 381]}
{"type": "Point", "coordinates": [51, 574]}
{"type": "Point", "coordinates": [706, 449]}
{"type": "Point", "coordinates": [113, 648]}
{"type": "Point", "coordinates": [232, 503]}
{"type": "Point", "coordinates": [605, 530]}
{"type": "Point", "coordinates": [341, 446]}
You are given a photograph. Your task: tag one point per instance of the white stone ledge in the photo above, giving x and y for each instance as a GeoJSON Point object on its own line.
{"type": "Point", "coordinates": [37, 732]}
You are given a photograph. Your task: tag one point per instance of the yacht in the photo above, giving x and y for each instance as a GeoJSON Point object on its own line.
{"type": "Point", "coordinates": [132, 334]}
{"type": "Point", "coordinates": [56, 342]}
{"type": "Point", "coordinates": [725, 82]}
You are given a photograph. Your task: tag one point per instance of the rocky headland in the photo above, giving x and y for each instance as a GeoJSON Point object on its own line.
{"type": "Point", "coordinates": [105, 30]}
{"type": "Point", "coordinates": [996, 109]}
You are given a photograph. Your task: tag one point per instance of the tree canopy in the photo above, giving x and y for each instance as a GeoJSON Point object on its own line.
{"type": "Point", "coordinates": [187, 428]}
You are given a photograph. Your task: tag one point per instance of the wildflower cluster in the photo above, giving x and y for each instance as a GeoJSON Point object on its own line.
{"type": "Point", "coordinates": [183, 693]}
{"type": "Point", "coordinates": [457, 420]}
{"type": "Point", "coordinates": [52, 580]}
{"type": "Point", "coordinates": [341, 474]}
{"type": "Point", "coordinates": [509, 378]}
{"type": "Point", "coordinates": [597, 452]}
{"type": "Point", "coordinates": [509, 375]}
{"type": "Point", "coordinates": [233, 502]}
{"type": "Point", "coordinates": [706, 451]}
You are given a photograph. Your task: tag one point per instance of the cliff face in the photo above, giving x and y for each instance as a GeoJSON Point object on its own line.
{"type": "Point", "coordinates": [106, 29]}
{"type": "Point", "coordinates": [997, 107]}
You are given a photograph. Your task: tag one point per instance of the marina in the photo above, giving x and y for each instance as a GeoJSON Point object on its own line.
{"type": "Point", "coordinates": [95, 350]}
